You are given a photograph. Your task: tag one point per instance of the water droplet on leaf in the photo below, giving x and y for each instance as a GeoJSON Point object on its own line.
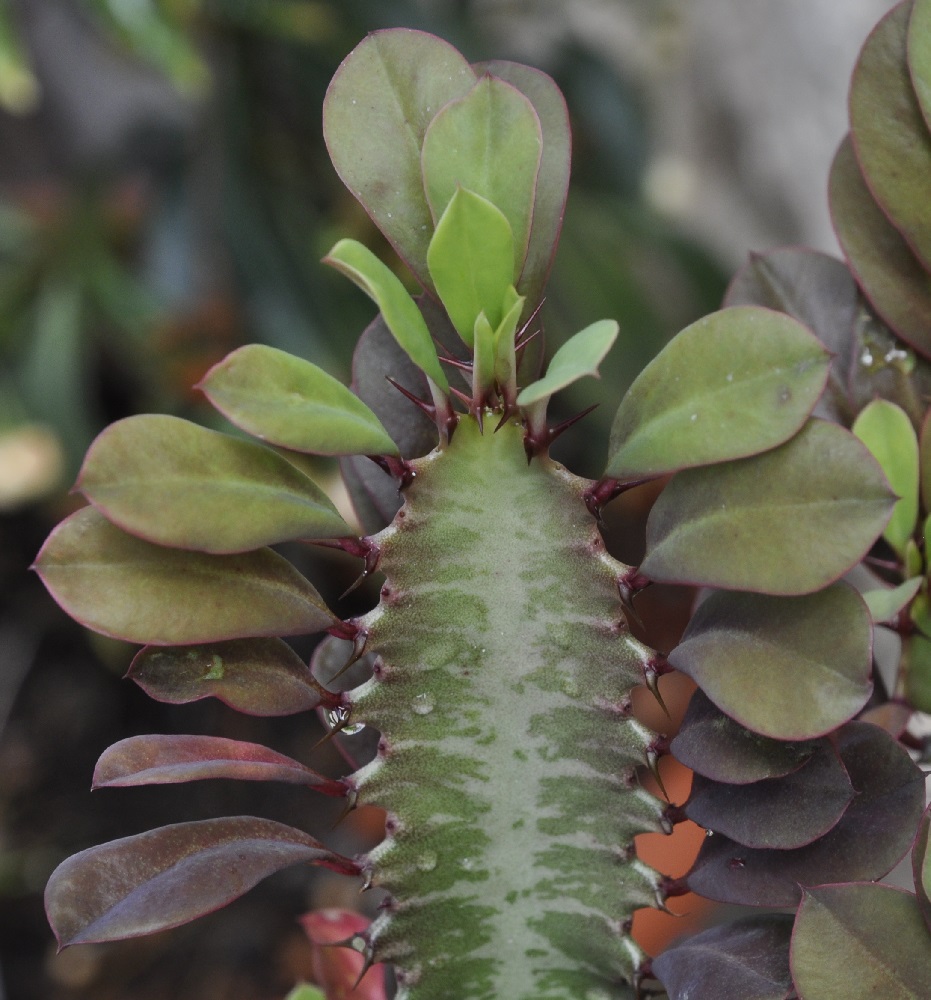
{"type": "Point", "coordinates": [423, 704]}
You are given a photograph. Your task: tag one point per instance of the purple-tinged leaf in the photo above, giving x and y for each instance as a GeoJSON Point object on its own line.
{"type": "Point", "coordinates": [744, 960]}
{"type": "Point", "coordinates": [873, 834]}
{"type": "Point", "coordinates": [921, 866]}
{"type": "Point", "coordinates": [733, 384]}
{"type": "Point", "coordinates": [792, 668]}
{"type": "Point", "coordinates": [553, 176]}
{"type": "Point", "coordinates": [377, 357]}
{"type": "Point", "coordinates": [782, 813]}
{"type": "Point", "coordinates": [890, 275]}
{"type": "Point", "coordinates": [714, 745]}
{"type": "Point", "coordinates": [167, 760]}
{"type": "Point", "coordinates": [289, 402]}
{"type": "Point", "coordinates": [174, 483]}
{"type": "Point", "coordinates": [122, 586]}
{"type": "Point", "coordinates": [893, 716]}
{"type": "Point", "coordinates": [256, 676]}
{"type": "Point", "coordinates": [375, 115]}
{"type": "Point", "coordinates": [166, 877]}
{"type": "Point", "coordinates": [860, 942]}
{"type": "Point", "coordinates": [890, 135]}
{"type": "Point", "coordinates": [788, 521]}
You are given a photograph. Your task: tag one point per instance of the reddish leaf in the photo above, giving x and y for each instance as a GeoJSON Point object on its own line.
{"type": "Point", "coordinates": [166, 877]}
{"type": "Point", "coordinates": [257, 676]}
{"type": "Point", "coordinates": [921, 867]}
{"type": "Point", "coordinates": [163, 760]}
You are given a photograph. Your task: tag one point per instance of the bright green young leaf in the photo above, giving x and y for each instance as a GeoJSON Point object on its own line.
{"type": "Point", "coordinates": [887, 602]}
{"type": "Point", "coordinates": [919, 55]}
{"type": "Point", "coordinates": [886, 430]}
{"type": "Point", "coordinates": [489, 142]}
{"type": "Point", "coordinates": [920, 614]}
{"type": "Point", "coordinates": [375, 114]}
{"type": "Point", "coordinates": [914, 560]}
{"type": "Point", "coordinates": [788, 521]}
{"type": "Point", "coordinates": [505, 355]}
{"type": "Point", "coordinates": [304, 991]}
{"type": "Point", "coordinates": [921, 866]}
{"type": "Point", "coordinates": [178, 484]}
{"type": "Point", "coordinates": [553, 176]}
{"type": "Point", "coordinates": [891, 138]}
{"type": "Point", "coordinates": [291, 403]}
{"type": "Point", "coordinates": [916, 660]}
{"type": "Point", "coordinates": [735, 383]}
{"type": "Point", "coordinates": [788, 667]}
{"type": "Point", "coordinates": [924, 461]}
{"type": "Point", "coordinates": [579, 356]}
{"type": "Point", "coordinates": [122, 586]}
{"type": "Point", "coordinates": [860, 941]}
{"type": "Point", "coordinates": [470, 261]}
{"type": "Point", "coordinates": [399, 310]}
{"type": "Point", "coordinates": [885, 267]}
{"type": "Point", "coordinates": [483, 364]}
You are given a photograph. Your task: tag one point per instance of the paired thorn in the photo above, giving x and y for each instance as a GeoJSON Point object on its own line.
{"type": "Point", "coordinates": [361, 548]}
{"type": "Point", "coordinates": [604, 491]}
{"type": "Point", "coordinates": [652, 671]}
{"type": "Point", "coordinates": [427, 408]}
{"type": "Point", "coordinates": [538, 442]}
{"type": "Point", "coordinates": [397, 468]}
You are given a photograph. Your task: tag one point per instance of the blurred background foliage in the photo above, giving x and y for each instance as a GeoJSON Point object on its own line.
{"type": "Point", "coordinates": [165, 196]}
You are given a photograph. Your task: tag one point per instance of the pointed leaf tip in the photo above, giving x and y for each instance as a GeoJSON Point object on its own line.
{"type": "Point", "coordinates": [579, 356]}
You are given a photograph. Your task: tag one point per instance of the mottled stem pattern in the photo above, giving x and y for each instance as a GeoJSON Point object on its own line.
{"type": "Point", "coordinates": [508, 756]}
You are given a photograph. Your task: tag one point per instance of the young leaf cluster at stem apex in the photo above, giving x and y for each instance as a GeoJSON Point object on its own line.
{"type": "Point", "coordinates": [471, 196]}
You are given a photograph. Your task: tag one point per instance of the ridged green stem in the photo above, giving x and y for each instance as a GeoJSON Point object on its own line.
{"type": "Point", "coordinates": [508, 753]}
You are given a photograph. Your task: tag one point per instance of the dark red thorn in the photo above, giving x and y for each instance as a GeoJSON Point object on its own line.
{"type": "Point", "coordinates": [600, 494]}
{"type": "Point", "coordinates": [630, 583]}
{"type": "Point", "coordinates": [505, 416]}
{"type": "Point", "coordinates": [352, 797]}
{"type": "Point", "coordinates": [652, 761]}
{"type": "Point", "coordinates": [538, 444]}
{"type": "Point", "coordinates": [520, 344]}
{"type": "Point", "coordinates": [464, 366]}
{"type": "Point", "coordinates": [462, 397]}
{"type": "Point", "coordinates": [672, 887]}
{"type": "Point", "coordinates": [396, 467]}
{"type": "Point", "coordinates": [674, 814]}
{"type": "Point", "coordinates": [657, 667]}
{"type": "Point", "coordinates": [428, 408]}
{"type": "Point", "coordinates": [348, 629]}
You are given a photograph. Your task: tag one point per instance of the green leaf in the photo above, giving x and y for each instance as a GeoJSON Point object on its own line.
{"type": "Point", "coordinates": [916, 660]}
{"type": "Point", "coordinates": [788, 521]}
{"type": "Point", "coordinates": [891, 138]}
{"type": "Point", "coordinates": [860, 942]}
{"type": "Point", "coordinates": [919, 55]}
{"type": "Point", "coordinates": [792, 668]}
{"type": "Point", "coordinates": [305, 992]}
{"type": "Point", "coordinates": [166, 877]}
{"type": "Point", "coordinates": [924, 461]}
{"type": "Point", "coordinates": [920, 613]}
{"type": "Point", "coordinates": [257, 676]}
{"type": "Point", "coordinates": [891, 277]}
{"type": "Point", "coordinates": [579, 356]}
{"type": "Point", "coordinates": [886, 430]}
{"type": "Point", "coordinates": [488, 142]}
{"type": "Point", "coordinates": [470, 261]}
{"type": "Point", "coordinates": [735, 383]}
{"type": "Point", "coordinates": [175, 483]}
{"type": "Point", "coordinates": [375, 114]}
{"type": "Point", "coordinates": [291, 403]}
{"type": "Point", "coordinates": [122, 586]}
{"type": "Point", "coordinates": [553, 176]}
{"type": "Point", "coordinates": [887, 602]}
{"type": "Point", "coordinates": [399, 310]}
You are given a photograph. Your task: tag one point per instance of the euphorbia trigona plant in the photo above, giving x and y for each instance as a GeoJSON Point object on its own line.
{"type": "Point", "coordinates": [502, 661]}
